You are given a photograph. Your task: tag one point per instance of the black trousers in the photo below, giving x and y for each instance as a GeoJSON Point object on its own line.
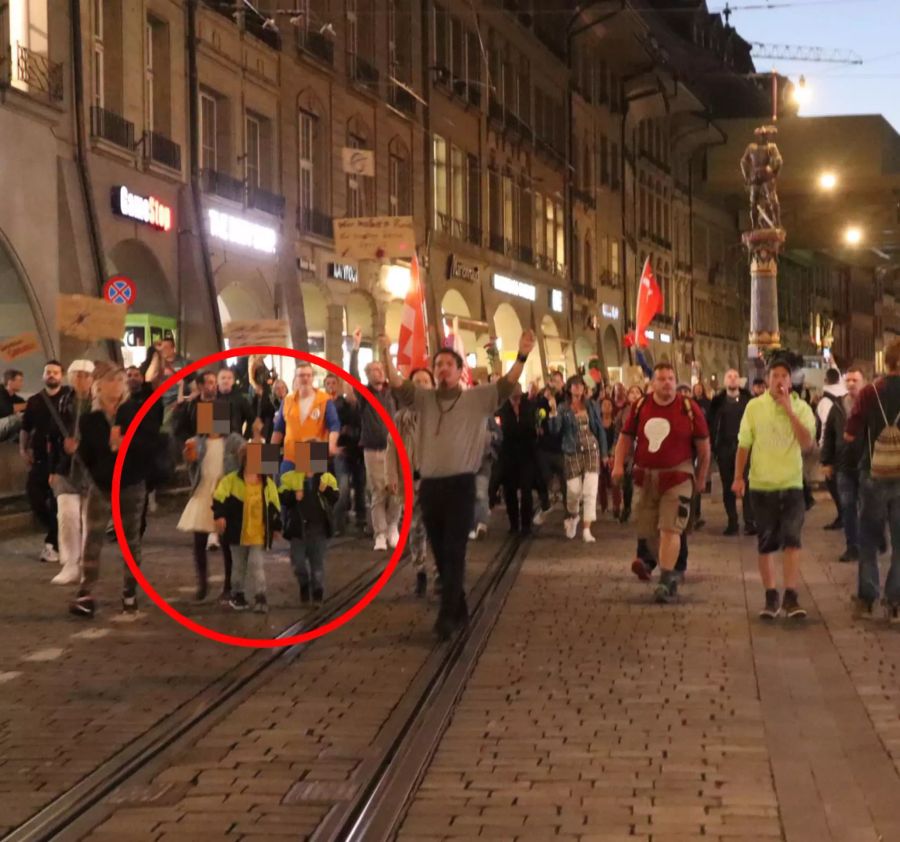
{"type": "Point", "coordinates": [725, 460]}
{"type": "Point", "coordinates": [42, 501]}
{"type": "Point", "coordinates": [518, 478]}
{"type": "Point", "coordinates": [200, 539]}
{"type": "Point", "coordinates": [831, 485]}
{"type": "Point", "coordinates": [448, 506]}
{"type": "Point", "coordinates": [550, 464]}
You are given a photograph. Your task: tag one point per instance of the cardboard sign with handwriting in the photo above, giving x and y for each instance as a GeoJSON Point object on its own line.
{"type": "Point", "coordinates": [90, 319]}
{"type": "Point", "coordinates": [19, 346]}
{"type": "Point", "coordinates": [374, 237]}
{"type": "Point", "coordinates": [257, 332]}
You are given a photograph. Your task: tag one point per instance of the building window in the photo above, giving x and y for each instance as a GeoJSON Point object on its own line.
{"type": "Point", "coordinates": [614, 166]}
{"type": "Point", "coordinates": [457, 188]}
{"type": "Point", "coordinates": [508, 209]}
{"type": "Point", "coordinates": [473, 194]}
{"type": "Point", "coordinates": [441, 215]}
{"type": "Point", "coordinates": [309, 127]}
{"type": "Point", "coordinates": [97, 69]}
{"type": "Point", "coordinates": [495, 208]}
{"type": "Point", "coordinates": [539, 241]}
{"type": "Point", "coordinates": [252, 133]}
{"type": "Point", "coordinates": [560, 237]}
{"type": "Point", "coordinates": [208, 131]}
{"type": "Point", "coordinates": [550, 230]}
{"type": "Point", "coordinates": [157, 81]}
{"type": "Point", "coordinates": [604, 159]}
{"type": "Point", "coordinates": [360, 188]}
{"type": "Point", "coordinates": [399, 180]}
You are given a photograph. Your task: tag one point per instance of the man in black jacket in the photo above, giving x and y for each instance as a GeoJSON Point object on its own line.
{"type": "Point", "coordinates": [725, 414]}
{"type": "Point", "coordinates": [518, 421]}
{"type": "Point", "coordinates": [832, 398]}
{"type": "Point", "coordinates": [550, 460]}
{"type": "Point", "coordinates": [840, 460]}
{"type": "Point", "coordinates": [242, 415]}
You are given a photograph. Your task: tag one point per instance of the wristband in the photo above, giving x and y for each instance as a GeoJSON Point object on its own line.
{"type": "Point", "coordinates": [522, 358]}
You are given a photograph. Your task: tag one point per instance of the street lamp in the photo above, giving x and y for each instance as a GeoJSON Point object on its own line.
{"type": "Point", "coordinates": [801, 92]}
{"type": "Point", "coordinates": [853, 235]}
{"type": "Point", "coordinates": [828, 180]}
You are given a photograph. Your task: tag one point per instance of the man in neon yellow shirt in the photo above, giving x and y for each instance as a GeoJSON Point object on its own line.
{"type": "Point", "coordinates": [777, 426]}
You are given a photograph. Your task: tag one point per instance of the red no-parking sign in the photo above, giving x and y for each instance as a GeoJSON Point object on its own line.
{"type": "Point", "coordinates": [120, 290]}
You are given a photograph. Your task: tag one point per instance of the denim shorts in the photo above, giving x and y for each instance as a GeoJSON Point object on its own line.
{"type": "Point", "coordinates": [779, 519]}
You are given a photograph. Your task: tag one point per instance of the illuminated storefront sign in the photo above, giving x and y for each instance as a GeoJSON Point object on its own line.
{"type": "Point", "coordinates": [240, 232]}
{"type": "Point", "coordinates": [557, 300]}
{"type": "Point", "coordinates": [650, 334]}
{"type": "Point", "coordinates": [609, 311]}
{"type": "Point", "coordinates": [513, 287]}
{"type": "Point", "coordinates": [665, 337]}
{"type": "Point", "coordinates": [343, 272]}
{"type": "Point", "coordinates": [462, 270]}
{"type": "Point", "coordinates": [147, 209]}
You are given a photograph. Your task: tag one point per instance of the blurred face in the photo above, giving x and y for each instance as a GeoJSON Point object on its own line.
{"type": "Point", "coordinates": [167, 348]}
{"type": "Point", "coordinates": [779, 382]}
{"type": "Point", "coordinates": [854, 382]}
{"type": "Point", "coordinates": [422, 380]}
{"type": "Point", "coordinates": [225, 379]}
{"type": "Point", "coordinates": [111, 389]}
{"type": "Point", "coordinates": [52, 376]}
{"type": "Point", "coordinates": [698, 390]}
{"type": "Point", "coordinates": [606, 406]}
{"type": "Point", "coordinates": [664, 384]}
{"type": "Point", "coordinates": [81, 382]}
{"type": "Point", "coordinates": [135, 380]}
{"type": "Point", "coordinates": [634, 394]}
{"type": "Point", "coordinates": [578, 391]}
{"type": "Point", "coordinates": [758, 389]}
{"type": "Point", "coordinates": [208, 387]}
{"type": "Point", "coordinates": [375, 374]}
{"type": "Point", "coordinates": [557, 382]}
{"type": "Point", "coordinates": [446, 371]}
{"type": "Point", "coordinates": [732, 380]}
{"type": "Point", "coordinates": [15, 384]}
{"type": "Point", "coordinates": [280, 389]}
{"type": "Point", "coordinates": [305, 379]}
{"type": "Point", "coordinates": [332, 386]}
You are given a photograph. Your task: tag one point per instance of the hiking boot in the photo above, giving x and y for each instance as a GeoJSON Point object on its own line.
{"type": "Point", "coordinates": [667, 588]}
{"type": "Point", "coordinates": [791, 606]}
{"type": "Point", "coordinates": [772, 607]}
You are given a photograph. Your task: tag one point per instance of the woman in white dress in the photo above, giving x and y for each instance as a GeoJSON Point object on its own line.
{"type": "Point", "coordinates": [209, 458]}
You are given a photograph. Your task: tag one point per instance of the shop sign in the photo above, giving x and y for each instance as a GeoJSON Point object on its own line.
{"type": "Point", "coordinates": [609, 311]}
{"type": "Point", "coordinates": [665, 337]}
{"type": "Point", "coordinates": [343, 272]}
{"type": "Point", "coordinates": [240, 232]}
{"type": "Point", "coordinates": [557, 301]}
{"type": "Point", "coordinates": [462, 270]}
{"type": "Point", "coordinates": [650, 334]}
{"type": "Point", "coordinates": [147, 209]}
{"type": "Point", "coordinates": [519, 289]}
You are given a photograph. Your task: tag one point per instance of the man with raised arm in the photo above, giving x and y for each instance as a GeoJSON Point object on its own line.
{"type": "Point", "coordinates": [450, 448]}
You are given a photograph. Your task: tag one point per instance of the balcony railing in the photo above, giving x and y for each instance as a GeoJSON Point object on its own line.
{"type": "Point", "coordinates": [222, 185]}
{"type": "Point", "coordinates": [265, 201]}
{"type": "Point", "coordinates": [498, 244]}
{"type": "Point", "coordinates": [473, 94]}
{"type": "Point", "coordinates": [311, 221]}
{"type": "Point", "coordinates": [317, 45]}
{"type": "Point", "coordinates": [112, 127]}
{"type": "Point", "coordinates": [514, 124]}
{"type": "Point", "coordinates": [362, 72]}
{"type": "Point", "coordinates": [473, 234]}
{"type": "Point", "coordinates": [402, 99]}
{"type": "Point", "coordinates": [161, 150]}
{"type": "Point", "coordinates": [495, 110]}
{"type": "Point", "coordinates": [256, 27]}
{"type": "Point", "coordinates": [38, 73]}
{"type": "Point", "coordinates": [524, 254]}
{"type": "Point", "coordinates": [584, 197]}
{"type": "Point", "coordinates": [544, 263]}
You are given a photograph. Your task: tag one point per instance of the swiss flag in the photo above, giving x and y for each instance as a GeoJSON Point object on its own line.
{"type": "Point", "coordinates": [412, 344]}
{"type": "Point", "coordinates": [649, 303]}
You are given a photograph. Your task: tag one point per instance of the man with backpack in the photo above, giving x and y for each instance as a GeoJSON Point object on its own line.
{"type": "Point", "coordinates": [667, 432]}
{"type": "Point", "coordinates": [778, 427]}
{"type": "Point", "coordinates": [832, 398]}
{"type": "Point", "coordinates": [874, 420]}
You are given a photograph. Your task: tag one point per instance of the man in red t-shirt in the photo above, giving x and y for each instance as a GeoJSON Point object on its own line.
{"type": "Point", "coordinates": [669, 432]}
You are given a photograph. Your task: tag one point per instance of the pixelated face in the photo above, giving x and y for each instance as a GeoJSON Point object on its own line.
{"type": "Point", "coordinates": [213, 418]}
{"type": "Point", "coordinates": [311, 457]}
{"type": "Point", "coordinates": [263, 458]}
{"type": "Point", "coordinates": [225, 381]}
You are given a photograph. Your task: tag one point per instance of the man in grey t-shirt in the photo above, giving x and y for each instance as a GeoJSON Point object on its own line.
{"type": "Point", "coordinates": [451, 436]}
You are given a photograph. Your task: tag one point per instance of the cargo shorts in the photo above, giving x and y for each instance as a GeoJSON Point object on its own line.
{"type": "Point", "coordinates": [666, 510]}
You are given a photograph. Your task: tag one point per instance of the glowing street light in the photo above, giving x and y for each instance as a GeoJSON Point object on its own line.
{"type": "Point", "coordinates": [801, 92]}
{"type": "Point", "coordinates": [853, 235]}
{"type": "Point", "coordinates": [828, 180]}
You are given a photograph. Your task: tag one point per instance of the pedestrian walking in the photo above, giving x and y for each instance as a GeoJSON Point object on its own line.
{"type": "Point", "coordinates": [38, 426]}
{"type": "Point", "coordinates": [518, 419]}
{"type": "Point", "coordinates": [101, 432]}
{"type": "Point", "coordinates": [551, 463]}
{"type": "Point", "coordinates": [584, 445]}
{"type": "Point", "coordinates": [776, 429]}
{"type": "Point", "coordinates": [726, 411]}
{"type": "Point", "coordinates": [68, 478]}
{"type": "Point", "coordinates": [161, 467]}
{"type": "Point", "coordinates": [607, 487]}
{"type": "Point", "coordinates": [633, 396]}
{"type": "Point", "coordinates": [451, 425]}
{"type": "Point", "coordinates": [349, 467]}
{"type": "Point", "coordinates": [384, 506]}
{"type": "Point", "coordinates": [832, 396]}
{"type": "Point", "coordinates": [666, 433]}
{"type": "Point", "coordinates": [12, 405]}
{"type": "Point", "coordinates": [490, 459]}
{"type": "Point", "coordinates": [841, 460]}
{"type": "Point", "coordinates": [247, 514]}
{"type": "Point", "coordinates": [874, 422]}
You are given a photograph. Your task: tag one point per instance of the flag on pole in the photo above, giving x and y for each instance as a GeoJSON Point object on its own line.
{"type": "Point", "coordinates": [412, 344]}
{"type": "Point", "coordinates": [649, 303]}
{"type": "Point", "coordinates": [454, 342]}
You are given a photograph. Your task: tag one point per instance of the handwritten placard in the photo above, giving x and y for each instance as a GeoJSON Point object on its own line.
{"type": "Point", "coordinates": [374, 237]}
{"type": "Point", "coordinates": [257, 332]}
{"type": "Point", "coordinates": [19, 346]}
{"type": "Point", "coordinates": [90, 319]}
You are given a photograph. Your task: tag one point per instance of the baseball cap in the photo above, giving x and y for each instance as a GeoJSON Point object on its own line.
{"type": "Point", "coordinates": [81, 365]}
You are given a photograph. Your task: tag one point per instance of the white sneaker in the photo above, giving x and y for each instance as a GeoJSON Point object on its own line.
{"type": "Point", "coordinates": [571, 527]}
{"type": "Point", "coordinates": [212, 543]}
{"type": "Point", "coordinates": [480, 530]}
{"type": "Point", "coordinates": [393, 537]}
{"type": "Point", "coordinates": [587, 537]}
{"type": "Point", "coordinates": [380, 544]}
{"type": "Point", "coordinates": [69, 575]}
{"type": "Point", "coordinates": [473, 535]}
{"type": "Point", "coordinates": [152, 505]}
{"type": "Point", "coordinates": [49, 554]}
{"type": "Point", "coordinates": [539, 517]}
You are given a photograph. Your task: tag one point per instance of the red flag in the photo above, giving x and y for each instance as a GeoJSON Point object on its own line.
{"type": "Point", "coordinates": [412, 344]}
{"type": "Point", "coordinates": [649, 303]}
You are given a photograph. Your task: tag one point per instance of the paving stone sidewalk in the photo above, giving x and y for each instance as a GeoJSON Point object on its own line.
{"type": "Point", "coordinates": [596, 715]}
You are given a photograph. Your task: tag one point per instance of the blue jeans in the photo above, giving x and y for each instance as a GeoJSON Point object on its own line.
{"type": "Point", "coordinates": [848, 494]}
{"type": "Point", "coordinates": [879, 502]}
{"type": "Point", "coordinates": [310, 549]}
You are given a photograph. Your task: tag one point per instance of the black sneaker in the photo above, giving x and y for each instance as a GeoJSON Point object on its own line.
{"type": "Point", "coordinates": [82, 606]}
{"type": "Point", "coordinates": [318, 595]}
{"type": "Point", "coordinates": [791, 606]}
{"type": "Point", "coordinates": [750, 529]}
{"type": "Point", "coordinates": [304, 594]}
{"type": "Point", "coordinates": [773, 606]}
{"type": "Point", "coordinates": [421, 583]}
{"type": "Point", "coordinates": [129, 604]}
{"type": "Point", "coordinates": [850, 554]}
{"type": "Point", "coordinates": [732, 529]}
{"type": "Point", "coordinates": [201, 592]}
{"type": "Point", "coordinates": [260, 604]}
{"type": "Point", "coordinates": [238, 602]}
{"type": "Point", "coordinates": [892, 612]}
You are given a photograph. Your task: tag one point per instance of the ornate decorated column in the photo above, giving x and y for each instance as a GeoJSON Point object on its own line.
{"type": "Point", "coordinates": [760, 166]}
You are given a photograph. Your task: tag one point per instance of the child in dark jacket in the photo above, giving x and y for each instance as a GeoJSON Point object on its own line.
{"type": "Point", "coordinates": [247, 512]}
{"type": "Point", "coordinates": [308, 506]}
